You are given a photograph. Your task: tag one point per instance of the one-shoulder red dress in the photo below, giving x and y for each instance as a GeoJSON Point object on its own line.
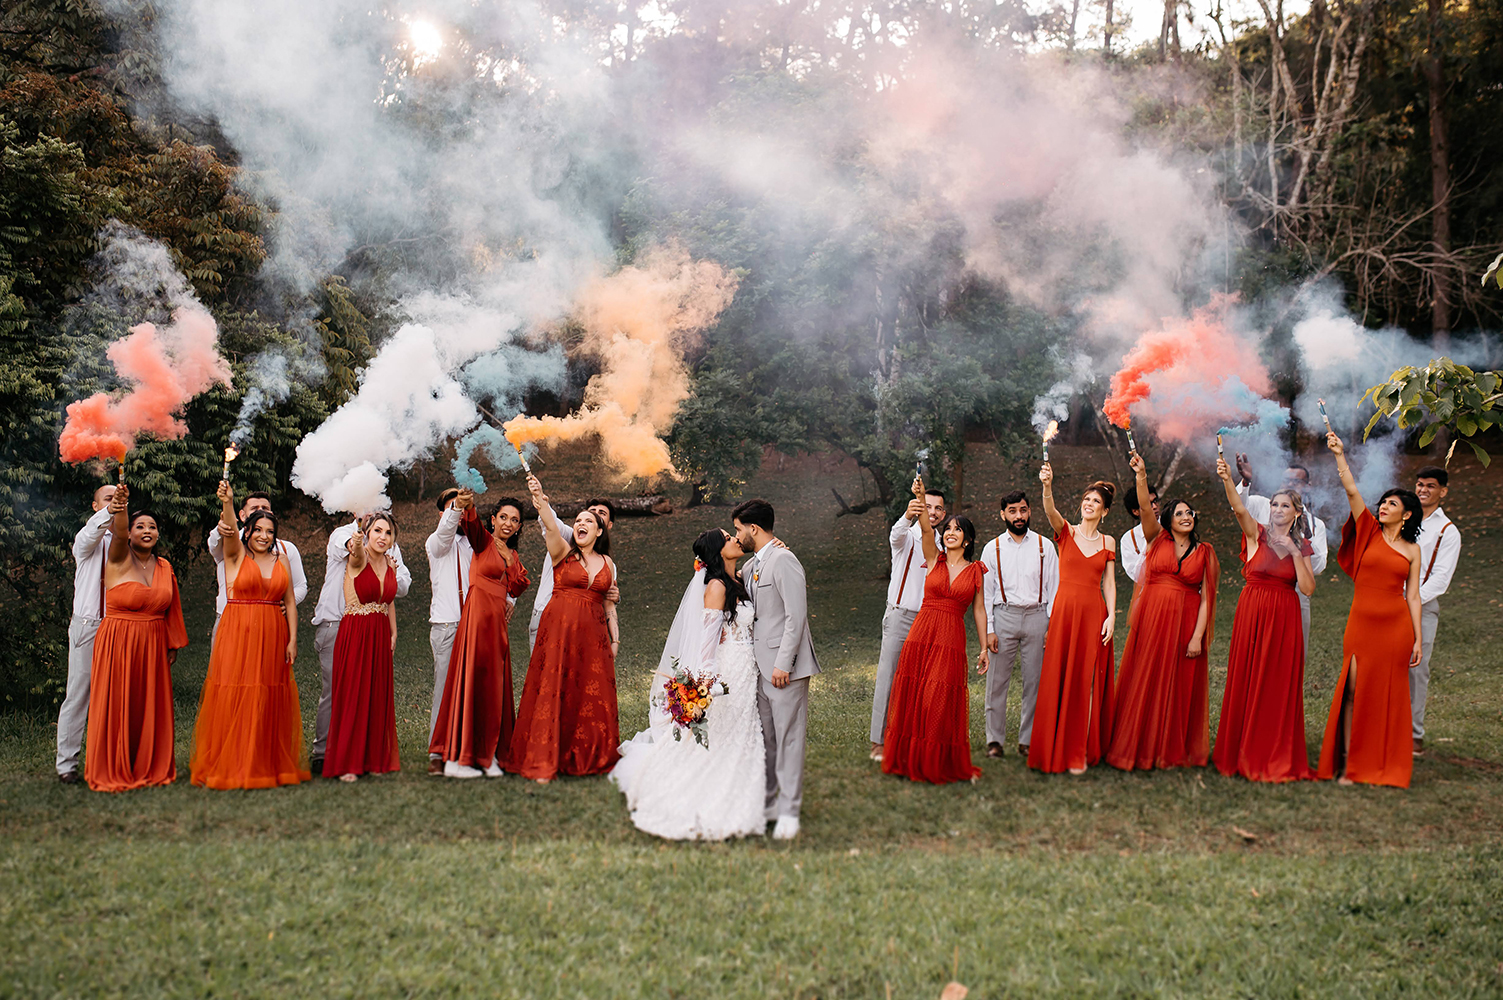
{"type": "Point", "coordinates": [363, 717]}
{"type": "Point", "coordinates": [475, 716]}
{"type": "Point", "coordinates": [1072, 722]}
{"type": "Point", "coordinates": [1261, 733]}
{"type": "Point", "coordinates": [1379, 637]}
{"type": "Point", "coordinates": [929, 716]}
{"type": "Point", "coordinates": [566, 722]}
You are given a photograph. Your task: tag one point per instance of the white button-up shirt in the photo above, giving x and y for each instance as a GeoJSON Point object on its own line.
{"type": "Point", "coordinates": [289, 552]}
{"type": "Point", "coordinates": [330, 607]}
{"type": "Point", "coordinates": [1020, 573]}
{"type": "Point", "coordinates": [1258, 507]}
{"type": "Point", "coordinates": [1440, 548]}
{"type": "Point", "coordinates": [90, 548]}
{"type": "Point", "coordinates": [1131, 551]}
{"type": "Point", "coordinates": [449, 556]}
{"type": "Point", "coordinates": [908, 562]}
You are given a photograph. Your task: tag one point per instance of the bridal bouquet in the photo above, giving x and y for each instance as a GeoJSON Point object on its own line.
{"type": "Point", "coordinates": [687, 698]}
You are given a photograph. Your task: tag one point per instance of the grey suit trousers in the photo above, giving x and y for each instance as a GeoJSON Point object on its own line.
{"type": "Point", "coordinates": [1020, 636]}
{"type": "Point", "coordinates": [73, 717]}
{"type": "Point", "coordinates": [785, 721]}
{"type": "Point", "coordinates": [895, 626]}
{"type": "Point", "coordinates": [1419, 677]}
{"type": "Point", "coordinates": [324, 635]}
{"type": "Point", "coordinates": [441, 641]}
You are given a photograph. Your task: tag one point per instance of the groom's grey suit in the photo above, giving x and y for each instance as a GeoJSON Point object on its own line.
{"type": "Point", "coordinates": [781, 641]}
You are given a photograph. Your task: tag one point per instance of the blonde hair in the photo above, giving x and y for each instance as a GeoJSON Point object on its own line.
{"type": "Point", "coordinates": [1299, 528]}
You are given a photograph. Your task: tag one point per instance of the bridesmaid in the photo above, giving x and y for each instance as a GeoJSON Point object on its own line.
{"type": "Point", "coordinates": [1161, 716]}
{"type": "Point", "coordinates": [929, 716]}
{"type": "Point", "coordinates": [363, 713]}
{"type": "Point", "coordinates": [1368, 734]}
{"type": "Point", "coordinates": [1072, 721]}
{"type": "Point", "coordinates": [475, 716]}
{"type": "Point", "coordinates": [1261, 733]}
{"type": "Point", "coordinates": [130, 701]}
{"type": "Point", "coordinates": [566, 723]}
{"type": "Point", "coordinates": [250, 731]}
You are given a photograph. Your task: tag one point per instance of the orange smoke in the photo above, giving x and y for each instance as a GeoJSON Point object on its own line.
{"type": "Point", "coordinates": [637, 322]}
{"type": "Point", "coordinates": [168, 368]}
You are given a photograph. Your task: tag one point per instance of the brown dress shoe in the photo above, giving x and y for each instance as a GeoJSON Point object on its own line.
{"type": "Point", "coordinates": [436, 767]}
{"type": "Point", "coordinates": [70, 778]}
{"type": "Point", "coordinates": [994, 749]}
{"type": "Point", "coordinates": [1023, 750]}
{"type": "Point", "coordinates": [1419, 747]}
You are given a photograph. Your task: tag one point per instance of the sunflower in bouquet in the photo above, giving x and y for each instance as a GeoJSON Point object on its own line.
{"type": "Point", "coordinates": [687, 698]}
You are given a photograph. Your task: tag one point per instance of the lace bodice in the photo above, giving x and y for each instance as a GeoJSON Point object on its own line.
{"type": "Point", "coordinates": [739, 630]}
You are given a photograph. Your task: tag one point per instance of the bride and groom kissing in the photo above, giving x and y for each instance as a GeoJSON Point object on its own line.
{"type": "Point", "coordinates": [751, 629]}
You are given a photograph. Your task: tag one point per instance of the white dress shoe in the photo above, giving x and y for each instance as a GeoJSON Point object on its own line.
{"type": "Point", "coordinates": [493, 770]}
{"type": "Point", "coordinates": [454, 769]}
{"type": "Point", "coordinates": [786, 829]}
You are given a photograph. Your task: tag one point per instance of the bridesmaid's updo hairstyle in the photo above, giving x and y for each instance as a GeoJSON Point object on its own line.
{"type": "Point", "coordinates": [1410, 529]}
{"type": "Point", "coordinates": [967, 531]}
{"type": "Point", "coordinates": [707, 550]}
{"type": "Point", "coordinates": [1106, 491]}
{"type": "Point", "coordinates": [250, 526]}
{"type": "Point", "coordinates": [490, 518]}
{"type": "Point", "coordinates": [379, 515]}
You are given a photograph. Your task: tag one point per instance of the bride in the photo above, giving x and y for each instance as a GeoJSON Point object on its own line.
{"type": "Point", "coordinates": [676, 788]}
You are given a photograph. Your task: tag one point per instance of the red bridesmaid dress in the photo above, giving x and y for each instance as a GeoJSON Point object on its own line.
{"type": "Point", "coordinates": [1261, 733]}
{"type": "Point", "coordinates": [566, 722]}
{"type": "Point", "coordinates": [476, 716]}
{"type": "Point", "coordinates": [1072, 721]}
{"type": "Point", "coordinates": [1162, 717]}
{"type": "Point", "coordinates": [928, 716]}
{"type": "Point", "coordinates": [1379, 637]}
{"type": "Point", "coordinates": [363, 717]}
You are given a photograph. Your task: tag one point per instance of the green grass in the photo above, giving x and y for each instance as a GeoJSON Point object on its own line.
{"type": "Point", "coordinates": [1183, 883]}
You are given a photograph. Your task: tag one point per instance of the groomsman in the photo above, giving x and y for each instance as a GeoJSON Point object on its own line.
{"type": "Point", "coordinates": [449, 556]}
{"type": "Point", "coordinates": [1133, 550]}
{"type": "Point", "coordinates": [606, 512]}
{"type": "Point", "coordinates": [1022, 576]}
{"type": "Point", "coordinates": [905, 593]}
{"type": "Point", "coordinates": [253, 502]}
{"type": "Point", "coordinates": [1440, 548]}
{"type": "Point", "coordinates": [326, 616]}
{"type": "Point", "coordinates": [90, 547]}
{"type": "Point", "coordinates": [1296, 477]}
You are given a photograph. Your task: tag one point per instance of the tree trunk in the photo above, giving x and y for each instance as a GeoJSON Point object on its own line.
{"type": "Point", "coordinates": [1440, 176]}
{"type": "Point", "coordinates": [1107, 46]}
{"type": "Point", "coordinates": [1074, 17]}
{"type": "Point", "coordinates": [648, 506]}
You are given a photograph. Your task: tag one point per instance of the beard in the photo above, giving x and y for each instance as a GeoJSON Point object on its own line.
{"type": "Point", "coordinates": [1019, 528]}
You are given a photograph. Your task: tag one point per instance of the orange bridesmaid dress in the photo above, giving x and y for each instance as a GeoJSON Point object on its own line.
{"type": "Point", "coordinates": [250, 729]}
{"type": "Point", "coordinates": [1379, 637]}
{"type": "Point", "coordinates": [1072, 722]}
{"type": "Point", "coordinates": [130, 693]}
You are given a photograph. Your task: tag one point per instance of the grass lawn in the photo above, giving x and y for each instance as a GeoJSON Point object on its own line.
{"type": "Point", "coordinates": [1182, 883]}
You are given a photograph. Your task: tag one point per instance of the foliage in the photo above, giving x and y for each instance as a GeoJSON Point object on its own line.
{"type": "Point", "coordinates": [1442, 394]}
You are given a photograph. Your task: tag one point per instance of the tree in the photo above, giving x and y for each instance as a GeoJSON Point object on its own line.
{"type": "Point", "coordinates": [1441, 395]}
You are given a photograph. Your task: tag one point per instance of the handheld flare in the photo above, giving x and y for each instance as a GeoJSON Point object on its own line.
{"type": "Point", "coordinates": [1219, 452]}
{"type": "Point", "coordinates": [1050, 433]}
{"type": "Point", "coordinates": [1132, 445]}
{"type": "Point", "coordinates": [522, 455]}
{"type": "Point", "coordinates": [231, 452]}
{"type": "Point", "coordinates": [1323, 415]}
{"type": "Point", "coordinates": [918, 465]}
{"type": "Point", "coordinates": [120, 471]}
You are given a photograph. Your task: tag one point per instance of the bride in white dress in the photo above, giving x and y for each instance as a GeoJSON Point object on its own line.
{"type": "Point", "coordinates": [678, 789]}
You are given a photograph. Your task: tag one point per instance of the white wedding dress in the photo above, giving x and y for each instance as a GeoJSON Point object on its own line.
{"type": "Point", "coordinates": [680, 790]}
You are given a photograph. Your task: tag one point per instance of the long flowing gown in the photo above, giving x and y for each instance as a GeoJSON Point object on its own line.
{"type": "Point", "coordinates": [249, 732]}
{"type": "Point", "coordinates": [681, 790]}
{"type": "Point", "coordinates": [475, 716]}
{"type": "Point", "coordinates": [566, 722]}
{"type": "Point", "coordinates": [1162, 716]}
{"type": "Point", "coordinates": [928, 715]}
{"type": "Point", "coordinates": [1261, 733]}
{"type": "Point", "coordinates": [1072, 722]}
{"type": "Point", "coordinates": [130, 692]}
{"type": "Point", "coordinates": [363, 717]}
{"type": "Point", "coordinates": [1379, 637]}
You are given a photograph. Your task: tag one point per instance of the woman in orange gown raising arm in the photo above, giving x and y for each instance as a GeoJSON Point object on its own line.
{"type": "Point", "coordinates": [1072, 721]}
{"type": "Point", "coordinates": [1261, 735]}
{"type": "Point", "coordinates": [1368, 733]}
{"type": "Point", "coordinates": [249, 732]}
{"type": "Point", "coordinates": [130, 701]}
{"type": "Point", "coordinates": [1162, 716]}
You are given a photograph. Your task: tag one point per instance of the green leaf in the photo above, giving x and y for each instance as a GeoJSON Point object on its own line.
{"type": "Point", "coordinates": [1494, 272]}
{"type": "Point", "coordinates": [1429, 434]}
{"type": "Point", "coordinates": [1482, 456]}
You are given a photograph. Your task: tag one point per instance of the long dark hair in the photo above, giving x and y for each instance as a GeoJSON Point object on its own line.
{"type": "Point", "coordinates": [250, 525]}
{"type": "Point", "coordinates": [1410, 529]}
{"type": "Point", "coordinates": [1166, 520]}
{"type": "Point", "coordinates": [707, 550]}
{"type": "Point", "coordinates": [967, 531]}
{"type": "Point", "coordinates": [514, 541]}
{"type": "Point", "coordinates": [602, 543]}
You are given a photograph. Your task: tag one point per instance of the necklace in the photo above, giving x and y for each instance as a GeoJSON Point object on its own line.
{"type": "Point", "coordinates": [1092, 537]}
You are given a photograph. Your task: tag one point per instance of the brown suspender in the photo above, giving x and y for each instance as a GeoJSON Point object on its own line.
{"type": "Point", "coordinates": [1134, 539]}
{"type": "Point", "coordinates": [997, 551]}
{"type": "Point", "coordinates": [459, 576]}
{"type": "Point", "coordinates": [1041, 569]}
{"type": "Point", "coordinates": [904, 582]}
{"type": "Point", "coordinates": [1435, 551]}
{"type": "Point", "coordinates": [104, 553]}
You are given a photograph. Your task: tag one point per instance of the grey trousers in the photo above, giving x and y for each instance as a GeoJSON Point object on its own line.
{"type": "Point", "coordinates": [785, 721]}
{"type": "Point", "coordinates": [73, 717]}
{"type": "Point", "coordinates": [895, 626]}
{"type": "Point", "coordinates": [1020, 636]}
{"type": "Point", "coordinates": [532, 628]}
{"type": "Point", "coordinates": [441, 640]}
{"type": "Point", "coordinates": [324, 635]}
{"type": "Point", "coordinates": [1419, 677]}
{"type": "Point", "coordinates": [1304, 619]}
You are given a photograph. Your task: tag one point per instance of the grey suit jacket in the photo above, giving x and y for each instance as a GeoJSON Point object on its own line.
{"type": "Point", "coordinates": [780, 638]}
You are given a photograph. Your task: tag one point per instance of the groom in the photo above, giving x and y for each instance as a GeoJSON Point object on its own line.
{"type": "Point", "coordinates": [785, 659]}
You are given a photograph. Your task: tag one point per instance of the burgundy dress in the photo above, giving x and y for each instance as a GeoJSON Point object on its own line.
{"type": "Point", "coordinates": [1261, 735]}
{"type": "Point", "coordinates": [363, 715]}
{"type": "Point", "coordinates": [928, 716]}
{"type": "Point", "coordinates": [566, 723]}
{"type": "Point", "coordinates": [475, 716]}
{"type": "Point", "coordinates": [1072, 722]}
